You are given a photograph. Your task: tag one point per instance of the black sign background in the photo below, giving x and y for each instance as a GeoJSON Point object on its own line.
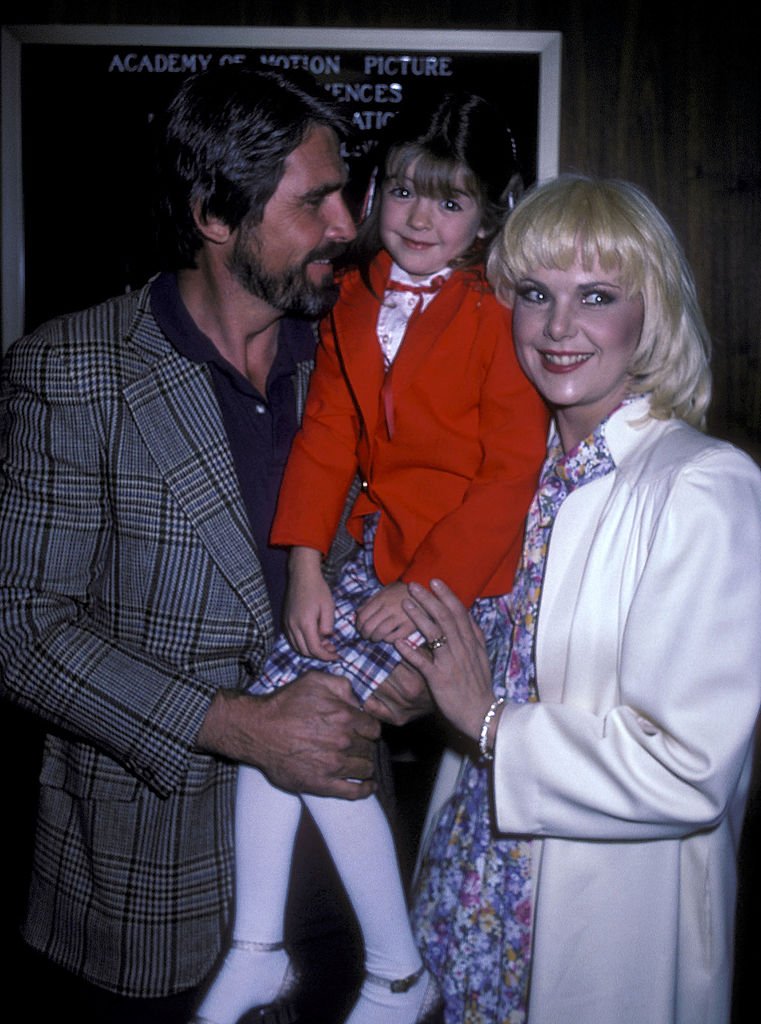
{"type": "Point", "coordinates": [86, 113]}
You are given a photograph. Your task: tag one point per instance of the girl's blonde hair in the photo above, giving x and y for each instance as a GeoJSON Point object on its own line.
{"type": "Point", "coordinates": [578, 217]}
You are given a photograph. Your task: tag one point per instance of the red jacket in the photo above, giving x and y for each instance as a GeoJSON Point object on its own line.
{"type": "Point", "coordinates": [448, 443]}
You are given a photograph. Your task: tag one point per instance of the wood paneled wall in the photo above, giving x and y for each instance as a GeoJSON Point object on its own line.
{"type": "Point", "coordinates": [668, 96]}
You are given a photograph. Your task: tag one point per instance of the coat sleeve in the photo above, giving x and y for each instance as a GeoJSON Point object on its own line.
{"type": "Point", "coordinates": [482, 536]}
{"type": "Point", "coordinates": [57, 659]}
{"type": "Point", "coordinates": [322, 464]}
{"type": "Point", "coordinates": [666, 759]}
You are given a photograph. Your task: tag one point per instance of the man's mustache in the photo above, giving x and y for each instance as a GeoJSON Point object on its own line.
{"type": "Point", "coordinates": [330, 251]}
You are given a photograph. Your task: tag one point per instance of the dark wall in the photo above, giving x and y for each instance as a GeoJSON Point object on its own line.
{"type": "Point", "coordinates": [666, 96]}
{"type": "Point", "coordinates": [103, 111]}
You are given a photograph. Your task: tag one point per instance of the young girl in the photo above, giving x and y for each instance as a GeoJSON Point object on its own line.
{"type": "Point", "coordinates": [417, 388]}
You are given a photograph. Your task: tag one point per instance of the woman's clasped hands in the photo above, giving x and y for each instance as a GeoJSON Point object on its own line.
{"type": "Point", "coordinates": [453, 661]}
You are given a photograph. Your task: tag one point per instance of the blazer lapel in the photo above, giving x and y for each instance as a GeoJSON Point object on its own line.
{"type": "Point", "coordinates": [177, 416]}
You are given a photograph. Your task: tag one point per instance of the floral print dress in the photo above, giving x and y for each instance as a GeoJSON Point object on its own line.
{"type": "Point", "coordinates": [472, 905]}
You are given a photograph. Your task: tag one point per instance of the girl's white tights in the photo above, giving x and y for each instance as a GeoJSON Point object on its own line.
{"type": "Point", "coordinates": [361, 844]}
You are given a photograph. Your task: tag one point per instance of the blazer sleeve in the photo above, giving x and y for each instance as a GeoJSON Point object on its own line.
{"type": "Point", "coordinates": [480, 540]}
{"type": "Point", "coordinates": [57, 660]}
{"type": "Point", "coordinates": [666, 760]}
{"type": "Point", "coordinates": [322, 464]}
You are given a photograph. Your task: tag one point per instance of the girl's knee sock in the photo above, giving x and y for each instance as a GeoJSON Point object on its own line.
{"type": "Point", "coordinates": [361, 843]}
{"type": "Point", "coordinates": [266, 820]}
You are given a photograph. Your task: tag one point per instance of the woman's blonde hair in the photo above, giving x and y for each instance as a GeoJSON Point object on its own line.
{"type": "Point", "coordinates": [578, 217]}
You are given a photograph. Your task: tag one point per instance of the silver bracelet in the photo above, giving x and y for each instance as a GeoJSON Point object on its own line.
{"type": "Point", "coordinates": [486, 754]}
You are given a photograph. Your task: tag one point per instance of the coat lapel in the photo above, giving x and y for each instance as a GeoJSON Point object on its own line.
{"type": "Point", "coordinates": [360, 354]}
{"type": "Point", "coordinates": [572, 538]}
{"type": "Point", "coordinates": [176, 413]}
{"type": "Point", "coordinates": [424, 332]}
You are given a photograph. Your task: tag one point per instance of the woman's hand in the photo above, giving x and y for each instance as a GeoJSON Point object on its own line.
{"type": "Point", "coordinates": [309, 611]}
{"type": "Point", "coordinates": [458, 671]}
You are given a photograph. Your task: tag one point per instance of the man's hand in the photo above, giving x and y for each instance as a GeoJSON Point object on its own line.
{"type": "Point", "coordinates": [382, 616]}
{"type": "Point", "coordinates": [401, 698]}
{"type": "Point", "coordinates": [308, 737]}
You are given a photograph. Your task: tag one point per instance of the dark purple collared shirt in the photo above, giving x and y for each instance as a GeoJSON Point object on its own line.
{"type": "Point", "coordinates": [260, 428]}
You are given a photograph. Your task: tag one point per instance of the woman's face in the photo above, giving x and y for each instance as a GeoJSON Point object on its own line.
{"type": "Point", "coordinates": [575, 334]}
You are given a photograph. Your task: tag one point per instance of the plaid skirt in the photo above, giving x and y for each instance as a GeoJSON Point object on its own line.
{"type": "Point", "coordinates": [365, 663]}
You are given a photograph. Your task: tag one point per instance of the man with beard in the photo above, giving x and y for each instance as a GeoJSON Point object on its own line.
{"type": "Point", "coordinates": [143, 442]}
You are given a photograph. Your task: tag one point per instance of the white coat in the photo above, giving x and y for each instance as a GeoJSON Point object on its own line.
{"type": "Point", "coordinates": [632, 770]}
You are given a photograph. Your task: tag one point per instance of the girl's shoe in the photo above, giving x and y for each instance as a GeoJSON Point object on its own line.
{"type": "Point", "coordinates": [282, 1009]}
{"type": "Point", "coordinates": [432, 1000]}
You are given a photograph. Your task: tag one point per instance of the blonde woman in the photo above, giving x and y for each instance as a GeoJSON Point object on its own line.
{"type": "Point", "coordinates": [584, 869]}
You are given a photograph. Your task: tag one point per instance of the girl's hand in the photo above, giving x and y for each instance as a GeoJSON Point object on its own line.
{"type": "Point", "coordinates": [457, 671]}
{"type": "Point", "coordinates": [383, 617]}
{"type": "Point", "coordinates": [309, 607]}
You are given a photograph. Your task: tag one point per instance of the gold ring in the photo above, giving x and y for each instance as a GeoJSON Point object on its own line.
{"type": "Point", "coordinates": [433, 645]}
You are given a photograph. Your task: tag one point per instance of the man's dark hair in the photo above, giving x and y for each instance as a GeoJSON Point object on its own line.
{"type": "Point", "coordinates": [225, 139]}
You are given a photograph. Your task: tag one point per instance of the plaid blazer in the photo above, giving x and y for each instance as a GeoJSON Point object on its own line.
{"type": "Point", "coordinates": [130, 591]}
